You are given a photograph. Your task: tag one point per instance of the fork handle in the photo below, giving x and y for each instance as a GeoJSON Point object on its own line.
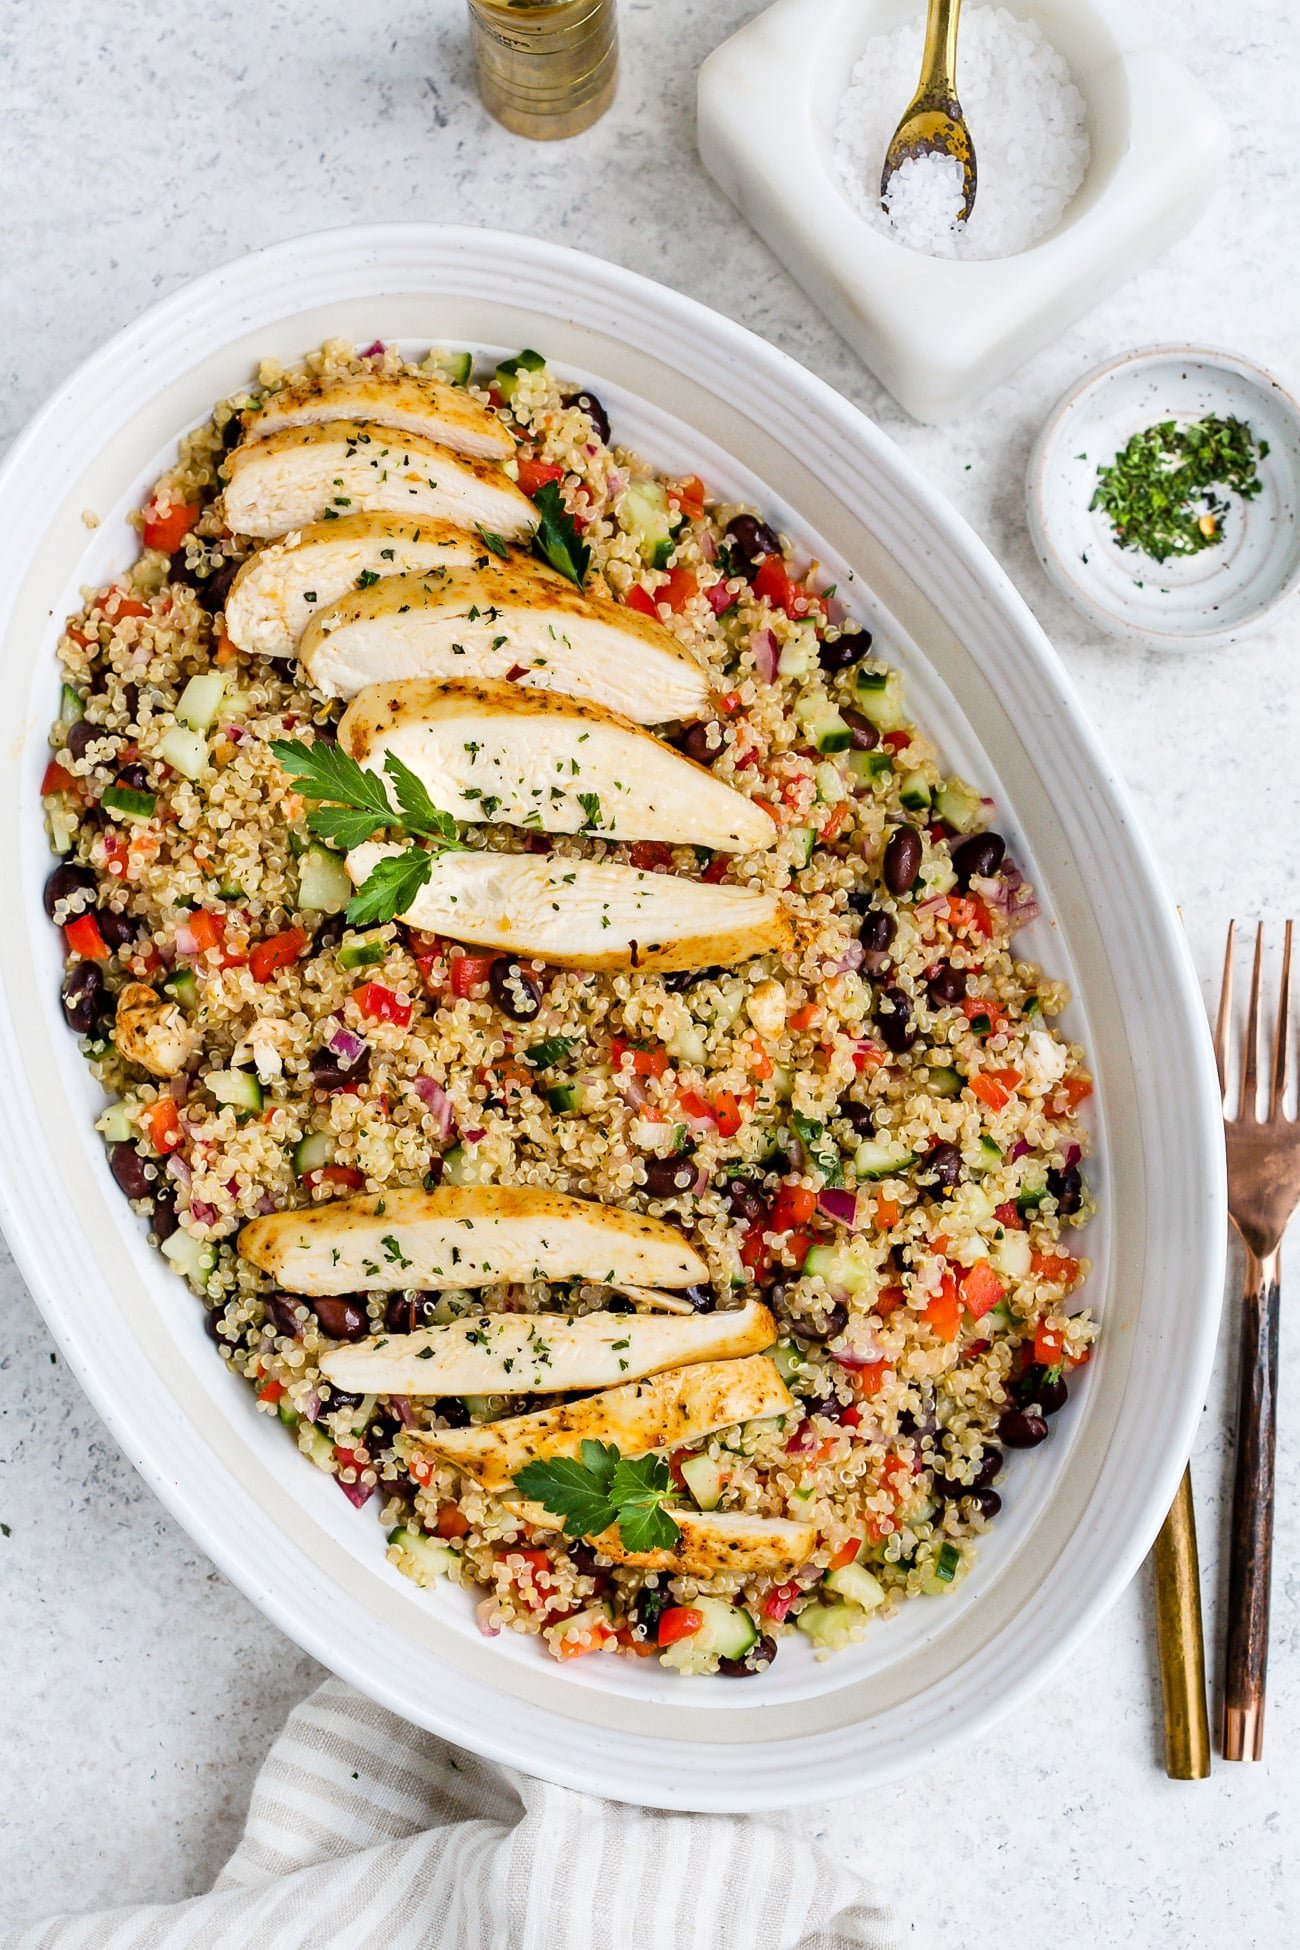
{"type": "Point", "coordinates": [1251, 1557]}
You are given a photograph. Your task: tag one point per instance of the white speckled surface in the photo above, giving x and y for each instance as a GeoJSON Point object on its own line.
{"type": "Point", "coordinates": [142, 145]}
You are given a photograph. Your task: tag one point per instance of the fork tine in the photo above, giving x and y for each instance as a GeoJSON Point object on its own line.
{"type": "Point", "coordinates": [1248, 1109]}
{"type": "Point", "coordinates": [1223, 1022]}
{"type": "Point", "coordinates": [1277, 1090]}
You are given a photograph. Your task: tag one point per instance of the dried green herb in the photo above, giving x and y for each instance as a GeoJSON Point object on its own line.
{"type": "Point", "coordinates": [1163, 492]}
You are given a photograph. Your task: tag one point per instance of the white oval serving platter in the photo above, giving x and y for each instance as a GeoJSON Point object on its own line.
{"type": "Point", "coordinates": [696, 393]}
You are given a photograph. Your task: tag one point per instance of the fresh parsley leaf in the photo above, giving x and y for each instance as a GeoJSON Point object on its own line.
{"type": "Point", "coordinates": [494, 543]}
{"type": "Point", "coordinates": [418, 810]}
{"type": "Point", "coordinates": [342, 826]}
{"type": "Point", "coordinates": [557, 540]}
{"type": "Point", "coordinates": [571, 1491]}
{"type": "Point", "coordinates": [390, 887]}
{"type": "Point", "coordinates": [605, 1488]}
{"type": "Point", "coordinates": [639, 1489]}
{"type": "Point", "coordinates": [324, 771]}
{"type": "Point", "coordinates": [590, 803]}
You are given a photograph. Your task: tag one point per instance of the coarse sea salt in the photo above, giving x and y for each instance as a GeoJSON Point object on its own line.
{"type": "Point", "coordinates": [1028, 123]}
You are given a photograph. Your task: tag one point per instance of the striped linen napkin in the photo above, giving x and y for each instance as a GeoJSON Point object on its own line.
{"type": "Point", "coordinates": [365, 1833]}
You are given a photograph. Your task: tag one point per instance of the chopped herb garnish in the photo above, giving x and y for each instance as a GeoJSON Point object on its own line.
{"type": "Point", "coordinates": [493, 542]}
{"type": "Point", "coordinates": [1158, 492]}
{"type": "Point", "coordinates": [557, 540]}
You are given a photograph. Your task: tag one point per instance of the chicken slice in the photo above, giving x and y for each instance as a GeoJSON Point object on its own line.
{"type": "Point", "coordinates": [681, 1405]}
{"type": "Point", "coordinates": [712, 1543]}
{"type": "Point", "coordinates": [516, 1354]}
{"type": "Point", "coordinates": [152, 1032]}
{"type": "Point", "coordinates": [586, 913]}
{"type": "Point", "coordinates": [310, 474]}
{"type": "Point", "coordinates": [464, 1236]}
{"type": "Point", "coordinates": [488, 751]}
{"type": "Point", "coordinates": [500, 623]}
{"type": "Point", "coordinates": [279, 590]}
{"type": "Point", "coordinates": [410, 402]}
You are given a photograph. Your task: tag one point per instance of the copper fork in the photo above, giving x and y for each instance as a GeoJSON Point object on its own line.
{"type": "Point", "coordinates": [1263, 1193]}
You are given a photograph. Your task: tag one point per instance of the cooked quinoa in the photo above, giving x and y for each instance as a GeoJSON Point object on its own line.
{"type": "Point", "coordinates": [877, 1132]}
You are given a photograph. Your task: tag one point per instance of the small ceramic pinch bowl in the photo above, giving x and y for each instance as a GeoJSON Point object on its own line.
{"type": "Point", "coordinates": [1201, 601]}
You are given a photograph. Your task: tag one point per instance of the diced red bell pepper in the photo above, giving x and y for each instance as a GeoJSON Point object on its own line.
{"type": "Point", "coordinates": [888, 1300]}
{"type": "Point", "coordinates": [719, 597]}
{"type": "Point", "coordinates": [727, 1114]}
{"type": "Point", "coordinates": [163, 1122]}
{"type": "Point", "coordinates": [975, 1006]}
{"type": "Point", "coordinates": [1055, 1267]}
{"type": "Point", "coordinates": [452, 1521]}
{"type": "Point", "coordinates": [694, 1106]}
{"type": "Point", "coordinates": [688, 493]}
{"type": "Point", "coordinates": [57, 779]}
{"type": "Point", "coordinates": [846, 1554]}
{"type": "Point", "coordinates": [995, 1088]}
{"type": "Point", "coordinates": [980, 1288]}
{"type": "Point", "coordinates": [681, 585]}
{"type": "Point", "coordinates": [778, 1601]}
{"type": "Point", "coordinates": [270, 1391]}
{"type": "Point", "coordinates": [871, 1379]}
{"type": "Point", "coordinates": [166, 528]}
{"type": "Point", "coordinates": [645, 1062]}
{"type": "Point", "coordinates": [943, 1311]}
{"type": "Point", "coordinates": [1075, 1090]}
{"type": "Point", "coordinates": [84, 939]}
{"type": "Point", "coordinates": [266, 958]}
{"type": "Point", "coordinates": [794, 1205]}
{"type": "Point", "coordinates": [1049, 1346]}
{"type": "Point", "coordinates": [717, 869]}
{"type": "Point", "coordinates": [773, 581]}
{"type": "Point", "coordinates": [382, 1004]}
{"type": "Point", "coordinates": [346, 1178]}
{"type": "Point", "coordinates": [468, 972]}
{"type": "Point", "coordinates": [117, 605]}
{"type": "Point", "coordinates": [679, 1622]}
{"type": "Point", "coordinates": [896, 741]}
{"type": "Point", "coordinates": [206, 930]}
{"type": "Point", "coordinates": [534, 474]}
{"type": "Point", "coordinates": [1007, 1214]}
{"type": "Point", "coordinates": [651, 856]}
{"type": "Point", "coordinates": [888, 1212]}
{"type": "Point", "coordinates": [755, 1255]}
{"type": "Point", "coordinates": [640, 599]}
{"type": "Point", "coordinates": [797, 1247]}
{"type": "Point", "coordinates": [806, 1016]}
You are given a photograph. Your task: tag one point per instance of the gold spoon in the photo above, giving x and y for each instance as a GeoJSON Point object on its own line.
{"type": "Point", "coordinates": [934, 124]}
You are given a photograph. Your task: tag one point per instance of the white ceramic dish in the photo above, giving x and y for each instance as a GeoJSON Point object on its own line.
{"type": "Point", "coordinates": [700, 394]}
{"type": "Point", "coordinates": [940, 333]}
{"type": "Point", "coordinates": [1194, 602]}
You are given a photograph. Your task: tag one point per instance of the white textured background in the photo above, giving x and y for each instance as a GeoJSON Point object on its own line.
{"type": "Point", "coordinates": [140, 145]}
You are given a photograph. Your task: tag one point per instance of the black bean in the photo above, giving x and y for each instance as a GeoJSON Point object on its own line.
{"type": "Point", "coordinates": [943, 1165]}
{"type": "Point", "coordinates": [837, 1319]}
{"type": "Point", "coordinates": [752, 539]}
{"type": "Point", "coordinates": [328, 933]}
{"type": "Point", "coordinates": [328, 1073]}
{"type": "Point", "coordinates": [686, 978]}
{"type": "Point", "coordinates": [164, 1221]}
{"type": "Point", "coordinates": [82, 735]}
{"type": "Point", "coordinates": [1020, 1428]}
{"type": "Point", "coordinates": [69, 879]}
{"type": "Point", "coordinates": [987, 1502]}
{"type": "Point", "coordinates": [82, 988]}
{"type": "Point", "coordinates": [594, 411]}
{"type": "Point", "coordinates": [902, 861]}
{"type": "Point", "coordinates": [407, 1312]}
{"type": "Point", "coordinates": [646, 1608]}
{"type": "Point", "coordinates": [105, 1012]}
{"type": "Point", "coordinates": [118, 930]}
{"type": "Point", "coordinates": [1038, 1388]}
{"type": "Point", "coordinates": [667, 1177]}
{"type": "Point", "coordinates": [452, 1411]}
{"type": "Point", "coordinates": [858, 1116]}
{"type": "Point", "coordinates": [847, 649]}
{"type": "Point", "coordinates": [211, 587]}
{"type": "Point", "coordinates": [341, 1319]}
{"type": "Point", "coordinates": [978, 856]}
{"type": "Point", "coordinates": [131, 702]}
{"type": "Point", "coordinates": [946, 986]}
{"type": "Point", "coordinates": [700, 1297]}
{"type": "Point", "coordinates": [694, 741]}
{"type": "Point", "coordinates": [516, 993]}
{"type": "Point", "coordinates": [758, 1658]}
{"type": "Point", "coordinates": [990, 1467]}
{"type": "Point", "coordinates": [217, 1329]}
{"type": "Point", "coordinates": [283, 1309]}
{"type": "Point", "coordinates": [339, 1399]}
{"type": "Point", "coordinates": [135, 777]}
{"type": "Point", "coordinates": [1066, 1188]}
{"type": "Point", "coordinates": [949, 1489]}
{"type": "Point", "coordinates": [865, 735]}
{"type": "Point", "coordinates": [877, 931]}
{"type": "Point", "coordinates": [894, 1021]}
{"type": "Point", "coordinates": [745, 1201]}
{"type": "Point", "coordinates": [583, 1559]}
{"type": "Point", "coordinates": [127, 1166]}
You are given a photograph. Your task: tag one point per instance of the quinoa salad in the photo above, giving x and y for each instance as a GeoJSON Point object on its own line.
{"type": "Point", "coordinates": [561, 1016]}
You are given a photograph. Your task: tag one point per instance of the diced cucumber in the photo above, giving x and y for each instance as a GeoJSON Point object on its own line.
{"type": "Point", "coordinates": [879, 1158]}
{"type": "Point", "coordinates": [880, 698]}
{"type": "Point", "coordinates": [787, 1357]}
{"type": "Point", "coordinates": [649, 520]}
{"type": "Point", "coordinates": [237, 1087]}
{"type": "Point", "coordinates": [688, 1046]}
{"type": "Point", "coordinates": [507, 373]}
{"type": "Point", "coordinates": [706, 1478]}
{"type": "Point", "coordinates": [114, 1125]}
{"type": "Point", "coordinates": [831, 788]}
{"type": "Point", "coordinates": [287, 1413]}
{"type": "Point", "coordinates": [958, 806]}
{"type": "Point", "coordinates": [854, 1583]}
{"type": "Point", "coordinates": [914, 791]}
{"type": "Point", "coordinates": [195, 1258]}
{"type": "Point", "coordinates": [943, 1571]}
{"type": "Point", "coordinates": [455, 367]}
{"type": "Point", "coordinates": [71, 708]}
{"type": "Point", "coordinates": [823, 724]}
{"type": "Point", "coordinates": [359, 953]}
{"type": "Point", "coordinates": [870, 767]}
{"type": "Point", "coordinates": [200, 701]}
{"type": "Point", "coordinates": [180, 984]}
{"type": "Point", "coordinates": [1029, 1198]}
{"type": "Point", "coordinates": [323, 884]}
{"type": "Point", "coordinates": [943, 1081]}
{"type": "Point", "coordinates": [798, 656]}
{"type": "Point", "coordinates": [821, 1154]}
{"type": "Point", "coordinates": [987, 1155]}
{"type": "Point", "coordinates": [727, 1632]}
{"type": "Point", "coordinates": [562, 1098]}
{"type": "Point", "coordinates": [316, 1444]}
{"type": "Point", "coordinates": [1011, 1254]}
{"type": "Point", "coordinates": [803, 839]}
{"type": "Point", "coordinates": [463, 1165]}
{"type": "Point", "coordinates": [830, 1625]}
{"type": "Point", "coordinates": [842, 1273]}
{"type": "Point", "coordinates": [312, 1151]}
{"type": "Point", "coordinates": [553, 1050]}
{"type": "Point", "coordinates": [127, 803]}
{"type": "Point", "coordinates": [185, 751]}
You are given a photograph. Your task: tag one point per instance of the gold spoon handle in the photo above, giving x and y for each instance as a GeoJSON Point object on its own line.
{"type": "Point", "coordinates": [939, 61]}
{"type": "Point", "coordinates": [1180, 1640]}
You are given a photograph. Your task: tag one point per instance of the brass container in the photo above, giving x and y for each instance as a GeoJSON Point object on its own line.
{"type": "Point", "coordinates": [545, 70]}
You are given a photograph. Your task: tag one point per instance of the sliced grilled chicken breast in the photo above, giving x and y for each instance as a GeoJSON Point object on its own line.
{"type": "Point", "coordinates": [341, 467]}
{"type": "Point", "coordinates": [279, 590]}
{"type": "Point", "coordinates": [464, 1236]}
{"type": "Point", "coordinates": [499, 622]}
{"type": "Point", "coordinates": [516, 1354]}
{"type": "Point", "coordinates": [678, 1406]}
{"type": "Point", "coordinates": [489, 751]}
{"type": "Point", "coordinates": [587, 913]}
{"type": "Point", "coordinates": [412, 403]}
{"type": "Point", "coordinates": [718, 1543]}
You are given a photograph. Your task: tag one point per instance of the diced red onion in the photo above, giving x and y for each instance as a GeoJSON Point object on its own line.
{"type": "Point", "coordinates": [265, 1205]}
{"type": "Point", "coordinates": [205, 1214]}
{"type": "Point", "coordinates": [177, 1168]}
{"type": "Point", "coordinates": [767, 653]}
{"type": "Point", "coordinates": [311, 1407]}
{"type": "Point", "coordinates": [862, 1352]}
{"type": "Point", "coordinates": [475, 1137]}
{"type": "Point", "coordinates": [633, 1092]}
{"type": "Point", "coordinates": [234, 732]}
{"type": "Point", "coordinates": [357, 1494]}
{"type": "Point", "coordinates": [179, 1088]}
{"type": "Point", "coordinates": [701, 1182]}
{"type": "Point", "coordinates": [186, 943]}
{"type": "Point", "coordinates": [853, 958]}
{"type": "Point", "coordinates": [1073, 1153]}
{"type": "Point", "coordinates": [434, 1098]}
{"type": "Point", "coordinates": [932, 904]}
{"type": "Point", "coordinates": [483, 1614]}
{"type": "Point", "coordinates": [346, 1045]}
{"type": "Point", "coordinates": [835, 1203]}
{"type": "Point", "coordinates": [1018, 1150]}
{"type": "Point", "coordinates": [801, 1441]}
{"type": "Point", "coordinates": [402, 1409]}
{"type": "Point", "coordinates": [375, 350]}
